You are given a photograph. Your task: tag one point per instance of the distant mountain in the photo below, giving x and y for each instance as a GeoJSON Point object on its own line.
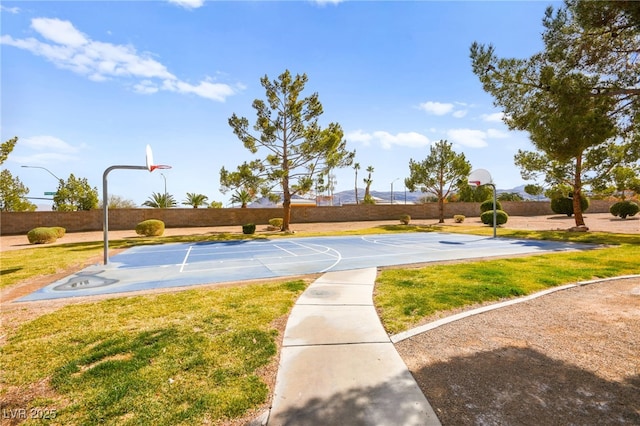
{"type": "Point", "coordinates": [384, 197]}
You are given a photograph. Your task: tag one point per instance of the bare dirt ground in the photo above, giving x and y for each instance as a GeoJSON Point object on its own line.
{"type": "Point", "coordinates": [572, 357]}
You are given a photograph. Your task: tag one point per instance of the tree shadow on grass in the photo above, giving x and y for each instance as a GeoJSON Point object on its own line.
{"type": "Point", "coordinates": [521, 386]}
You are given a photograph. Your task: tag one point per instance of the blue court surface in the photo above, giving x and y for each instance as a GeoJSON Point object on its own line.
{"type": "Point", "coordinates": [188, 264]}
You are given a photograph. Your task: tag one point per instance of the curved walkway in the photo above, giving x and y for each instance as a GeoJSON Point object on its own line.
{"type": "Point", "coordinates": [339, 366]}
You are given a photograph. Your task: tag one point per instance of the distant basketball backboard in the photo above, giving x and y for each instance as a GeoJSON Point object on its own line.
{"type": "Point", "coordinates": [479, 177]}
{"type": "Point", "coordinates": [150, 164]}
{"type": "Point", "coordinates": [149, 158]}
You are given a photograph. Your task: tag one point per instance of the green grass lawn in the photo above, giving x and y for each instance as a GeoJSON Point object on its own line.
{"type": "Point", "coordinates": [193, 357]}
{"type": "Point", "coordinates": [190, 357]}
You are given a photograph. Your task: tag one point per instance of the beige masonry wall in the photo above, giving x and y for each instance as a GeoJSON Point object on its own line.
{"type": "Point", "coordinates": [12, 223]}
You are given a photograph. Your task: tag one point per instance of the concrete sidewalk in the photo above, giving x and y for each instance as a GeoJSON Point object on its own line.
{"type": "Point", "coordinates": [338, 366]}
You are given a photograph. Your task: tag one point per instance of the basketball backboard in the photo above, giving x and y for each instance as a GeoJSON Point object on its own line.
{"type": "Point", "coordinates": [479, 177]}
{"type": "Point", "coordinates": [150, 164]}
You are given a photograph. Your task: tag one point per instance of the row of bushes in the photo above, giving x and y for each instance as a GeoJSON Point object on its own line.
{"type": "Point", "coordinates": [155, 227]}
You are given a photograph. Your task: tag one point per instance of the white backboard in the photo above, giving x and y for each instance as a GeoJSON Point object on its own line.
{"type": "Point", "coordinates": [479, 177]}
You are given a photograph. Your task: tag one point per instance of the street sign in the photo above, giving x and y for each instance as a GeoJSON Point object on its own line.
{"type": "Point", "coordinates": [50, 193]}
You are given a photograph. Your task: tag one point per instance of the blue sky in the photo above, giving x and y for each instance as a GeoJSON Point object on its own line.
{"type": "Point", "coordinates": [87, 85]}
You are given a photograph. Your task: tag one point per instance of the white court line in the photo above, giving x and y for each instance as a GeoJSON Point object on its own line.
{"type": "Point", "coordinates": [256, 265]}
{"type": "Point", "coordinates": [410, 244]}
{"type": "Point", "coordinates": [328, 249]}
{"type": "Point", "coordinates": [285, 250]}
{"type": "Point", "coordinates": [184, 261]}
{"type": "Point", "coordinates": [325, 251]}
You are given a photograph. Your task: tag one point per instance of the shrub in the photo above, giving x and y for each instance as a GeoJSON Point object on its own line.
{"type": "Point", "coordinates": [42, 235]}
{"type": "Point", "coordinates": [564, 205]}
{"type": "Point", "coordinates": [624, 208]}
{"type": "Point", "coordinates": [249, 228]}
{"type": "Point", "coordinates": [59, 230]}
{"type": "Point", "coordinates": [488, 205]}
{"type": "Point", "coordinates": [405, 219]}
{"type": "Point", "coordinates": [150, 228]}
{"type": "Point", "coordinates": [459, 218]}
{"type": "Point", "coordinates": [276, 222]}
{"type": "Point", "coordinates": [501, 217]}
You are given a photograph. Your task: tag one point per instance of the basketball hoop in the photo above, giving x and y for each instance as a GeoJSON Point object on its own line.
{"type": "Point", "coordinates": [150, 164]}
{"type": "Point", "coordinates": [158, 166]}
{"type": "Point", "coordinates": [481, 177]}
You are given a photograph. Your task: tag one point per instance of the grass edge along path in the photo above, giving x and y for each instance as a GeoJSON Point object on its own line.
{"type": "Point", "coordinates": [190, 357]}
{"type": "Point", "coordinates": [406, 298]}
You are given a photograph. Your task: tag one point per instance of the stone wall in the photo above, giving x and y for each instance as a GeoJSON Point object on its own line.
{"type": "Point", "coordinates": [15, 223]}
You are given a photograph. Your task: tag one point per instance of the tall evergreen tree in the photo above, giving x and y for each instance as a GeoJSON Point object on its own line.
{"type": "Point", "coordinates": [440, 173]}
{"type": "Point", "coordinates": [295, 148]}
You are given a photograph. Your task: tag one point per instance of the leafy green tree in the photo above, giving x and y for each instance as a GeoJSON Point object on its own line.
{"type": "Point", "coordinates": [215, 205]}
{"type": "Point", "coordinates": [160, 201]}
{"type": "Point", "coordinates": [368, 199]}
{"type": "Point", "coordinates": [12, 191]}
{"type": "Point", "coordinates": [474, 194]}
{"type": "Point", "coordinates": [12, 194]}
{"type": "Point", "coordinates": [195, 200]}
{"type": "Point", "coordinates": [534, 190]}
{"type": "Point", "coordinates": [296, 147]}
{"type": "Point", "coordinates": [244, 179]}
{"type": "Point", "coordinates": [558, 191]}
{"type": "Point", "coordinates": [600, 39]}
{"type": "Point", "coordinates": [75, 194]}
{"type": "Point", "coordinates": [509, 196]}
{"type": "Point", "coordinates": [6, 148]}
{"type": "Point", "coordinates": [622, 180]}
{"type": "Point", "coordinates": [565, 122]}
{"type": "Point", "coordinates": [440, 173]}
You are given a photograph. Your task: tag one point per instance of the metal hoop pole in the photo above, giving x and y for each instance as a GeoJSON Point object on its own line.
{"type": "Point", "coordinates": [105, 205]}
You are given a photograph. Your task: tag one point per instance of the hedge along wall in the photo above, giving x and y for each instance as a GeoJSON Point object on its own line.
{"type": "Point", "coordinates": [12, 223]}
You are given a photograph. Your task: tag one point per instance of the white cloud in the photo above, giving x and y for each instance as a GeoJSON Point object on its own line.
{"type": "Point", "coordinates": [325, 2]}
{"type": "Point", "coordinates": [388, 140]}
{"type": "Point", "coordinates": [440, 108]}
{"type": "Point", "coordinates": [359, 136]}
{"type": "Point", "coordinates": [474, 138]}
{"type": "Point", "coordinates": [205, 89]}
{"type": "Point", "coordinates": [57, 31]}
{"type": "Point", "coordinates": [12, 10]}
{"type": "Point", "coordinates": [68, 48]}
{"type": "Point", "coordinates": [410, 139]}
{"type": "Point", "coordinates": [49, 143]}
{"type": "Point", "coordinates": [188, 4]}
{"type": "Point", "coordinates": [468, 137]}
{"type": "Point", "coordinates": [496, 117]}
{"type": "Point", "coordinates": [146, 87]}
{"type": "Point", "coordinates": [46, 150]}
{"type": "Point", "coordinates": [436, 108]}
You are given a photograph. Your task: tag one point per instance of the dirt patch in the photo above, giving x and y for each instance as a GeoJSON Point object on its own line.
{"type": "Point", "coordinates": [570, 357]}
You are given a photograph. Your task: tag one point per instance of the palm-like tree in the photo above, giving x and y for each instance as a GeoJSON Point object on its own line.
{"type": "Point", "coordinates": [368, 180]}
{"type": "Point", "coordinates": [243, 197]}
{"type": "Point", "coordinates": [356, 167]}
{"type": "Point", "coordinates": [195, 200]}
{"type": "Point", "coordinates": [160, 201]}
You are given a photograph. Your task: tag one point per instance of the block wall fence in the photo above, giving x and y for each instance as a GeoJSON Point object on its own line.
{"type": "Point", "coordinates": [16, 223]}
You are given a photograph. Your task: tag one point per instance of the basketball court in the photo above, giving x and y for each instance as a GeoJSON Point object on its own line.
{"type": "Point", "coordinates": [190, 264]}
